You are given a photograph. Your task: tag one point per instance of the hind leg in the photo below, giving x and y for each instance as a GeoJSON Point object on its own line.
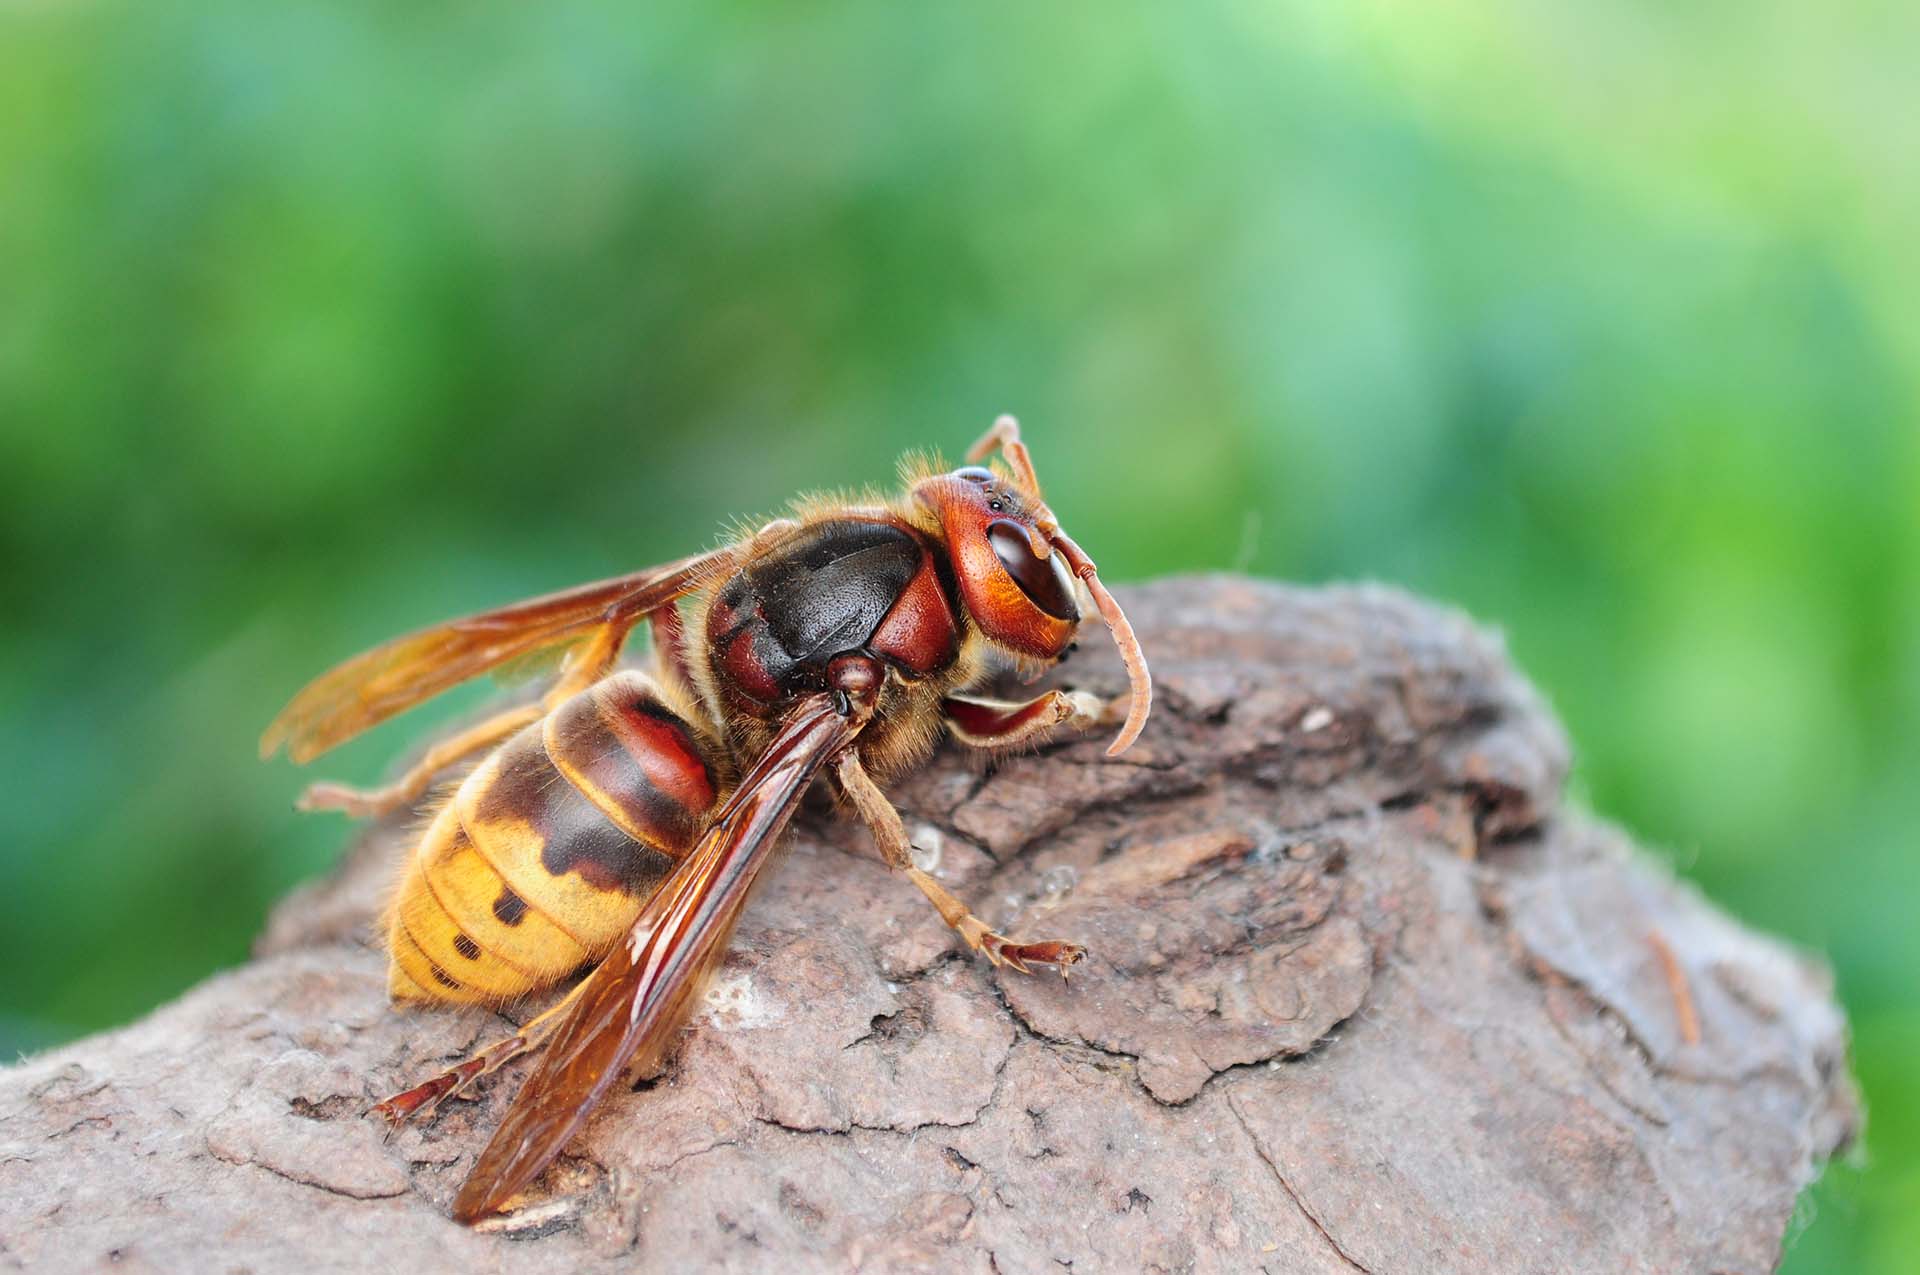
{"type": "Point", "coordinates": [424, 1099]}
{"type": "Point", "coordinates": [592, 661]}
{"type": "Point", "coordinates": [364, 803]}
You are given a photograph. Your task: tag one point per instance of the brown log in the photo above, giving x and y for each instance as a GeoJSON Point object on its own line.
{"type": "Point", "coordinates": [1363, 995]}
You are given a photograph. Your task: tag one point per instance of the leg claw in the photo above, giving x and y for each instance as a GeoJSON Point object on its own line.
{"type": "Point", "coordinates": [422, 1101]}
{"type": "Point", "coordinates": [1017, 955]}
{"type": "Point", "coordinates": [419, 1103]}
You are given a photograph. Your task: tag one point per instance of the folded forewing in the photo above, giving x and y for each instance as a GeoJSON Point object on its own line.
{"type": "Point", "coordinates": [634, 1001]}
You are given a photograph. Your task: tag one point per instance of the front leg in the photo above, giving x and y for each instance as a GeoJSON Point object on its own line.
{"type": "Point", "coordinates": [891, 836]}
{"type": "Point", "coordinates": [994, 724]}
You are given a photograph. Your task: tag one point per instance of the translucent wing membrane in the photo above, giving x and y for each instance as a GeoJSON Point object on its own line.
{"type": "Point", "coordinates": [396, 675]}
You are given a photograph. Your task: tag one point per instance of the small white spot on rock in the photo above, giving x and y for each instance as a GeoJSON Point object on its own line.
{"type": "Point", "coordinates": [733, 1001]}
{"type": "Point", "coordinates": [927, 844]}
{"type": "Point", "coordinates": [1057, 882]}
{"type": "Point", "coordinates": [1317, 718]}
{"type": "Point", "coordinates": [529, 1218]}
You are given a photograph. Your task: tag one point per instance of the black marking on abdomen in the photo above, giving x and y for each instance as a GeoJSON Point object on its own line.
{"type": "Point", "coordinates": [509, 908]}
{"type": "Point", "coordinates": [585, 841]}
{"type": "Point", "coordinates": [575, 835]}
{"type": "Point", "coordinates": [610, 743]}
{"type": "Point", "coordinates": [440, 977]}
{"type": "Point", "coordinates": [466, 947]}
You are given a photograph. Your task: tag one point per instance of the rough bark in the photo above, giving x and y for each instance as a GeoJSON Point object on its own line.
{"type": "Point", "coordinates": [1363, 996]}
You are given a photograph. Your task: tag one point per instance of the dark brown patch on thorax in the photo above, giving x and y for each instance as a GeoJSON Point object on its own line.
{"type": "Point", "coordinates": [827, 591]}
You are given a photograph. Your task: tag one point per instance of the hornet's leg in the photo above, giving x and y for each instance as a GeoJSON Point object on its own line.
{"type": "Point", "coordinates": [424, 1099]}
{"type": "Point", "coordinates": [987, 723]}
{"type": "Point", "coordinates": [670, 646]}
{"type": "Point", "coordinates": [1686, 1015]}
{"type": "Point", "coordinates": [585, 666]}
{"type": "Point", "coordinates": [891, 836]}
{"type": "Point", "coordinates": [362, 803]}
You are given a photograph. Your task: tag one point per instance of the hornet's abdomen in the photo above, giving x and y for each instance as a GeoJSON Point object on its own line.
{"type": "Point", "coordinates": [542, 857]}
{"type": "Point", "coordinates": [834, 587]}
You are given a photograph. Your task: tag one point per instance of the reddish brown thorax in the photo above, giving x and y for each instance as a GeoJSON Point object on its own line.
{"type": "Point", "coordinates": [834, 586]}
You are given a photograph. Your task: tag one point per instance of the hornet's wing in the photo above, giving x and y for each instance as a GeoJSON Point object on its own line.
{"type": "Point", "coordinates": [396, 675]}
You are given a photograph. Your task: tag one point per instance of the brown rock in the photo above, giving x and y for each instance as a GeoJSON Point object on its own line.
{"type": "Point", "coordinates": [1362, 996]}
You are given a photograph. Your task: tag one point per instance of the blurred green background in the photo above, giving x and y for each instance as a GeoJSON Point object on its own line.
{"type": "Point", "coordinates": [321, 322]}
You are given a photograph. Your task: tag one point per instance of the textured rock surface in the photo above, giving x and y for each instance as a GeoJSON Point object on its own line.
{"type": "Point", "coordinates": [1362, 996]}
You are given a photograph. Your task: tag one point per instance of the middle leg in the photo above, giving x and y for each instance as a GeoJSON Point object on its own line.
{"type": "Point", "coordinates": [891, 836]}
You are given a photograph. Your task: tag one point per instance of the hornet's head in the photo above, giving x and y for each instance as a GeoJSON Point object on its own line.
{"type": "Point", "coordinates": [1016, 569]}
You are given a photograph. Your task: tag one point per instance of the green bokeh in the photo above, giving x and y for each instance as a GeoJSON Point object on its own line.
{"type": "Point", "coordinates": [320, 322]}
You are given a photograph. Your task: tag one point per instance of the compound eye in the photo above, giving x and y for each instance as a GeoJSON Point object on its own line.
{"type": "Point", "coordinates": [1044, 580]}
{"type": "Point", "coordinates": [976, 474]}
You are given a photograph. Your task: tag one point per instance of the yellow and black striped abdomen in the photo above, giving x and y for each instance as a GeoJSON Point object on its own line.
{"type": "Point", "coordinates": [543, 856]}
